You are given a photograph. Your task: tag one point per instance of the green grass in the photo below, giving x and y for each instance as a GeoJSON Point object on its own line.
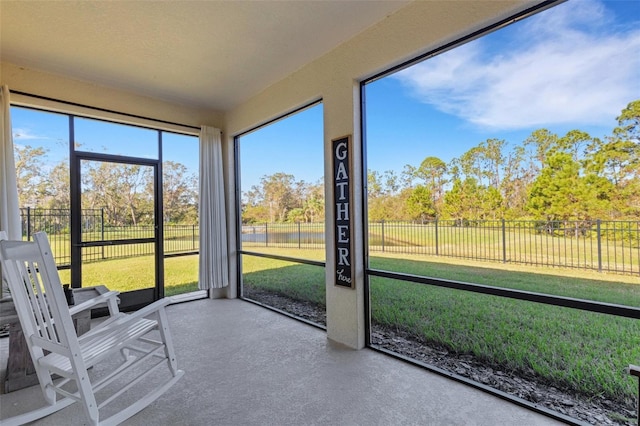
{"type": "Point", "coordinates": [573, 349]}
{"type": "Point", "coordinates": [623, 290]}
{"type": "Point", "coordinates": [582, 351]}
{"type": "Point", "coordinates": [180, 276]}
{"type": "Point", "coordinates": [298, 281]}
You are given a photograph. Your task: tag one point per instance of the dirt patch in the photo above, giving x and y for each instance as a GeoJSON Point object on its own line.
{"type": "Point", "coordinates": [593, 410]}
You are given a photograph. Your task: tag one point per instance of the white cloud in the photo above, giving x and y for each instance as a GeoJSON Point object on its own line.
{"type": "Point", "coordinates": [25, 134]}
{"type": "Point", "coordinates": [571, 64]}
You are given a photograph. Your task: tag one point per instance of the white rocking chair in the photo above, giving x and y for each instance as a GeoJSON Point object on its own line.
{"type": "Point", "coordinates": [56, 349]}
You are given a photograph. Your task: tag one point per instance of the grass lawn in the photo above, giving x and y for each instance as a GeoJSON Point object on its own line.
{"type": "Point", "coordinates": [295, 280]}
{"type": "Point", "coordinates": [180, 274]}
{"type": "Point", "coordinates": [583, 351]}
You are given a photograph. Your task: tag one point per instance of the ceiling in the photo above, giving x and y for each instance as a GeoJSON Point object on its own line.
{"type": "Point", "coordinates": [204, 54]}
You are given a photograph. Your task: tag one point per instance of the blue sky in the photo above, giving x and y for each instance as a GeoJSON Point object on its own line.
{"type": "Point", "coordinates": [574, 66]}
{"type": "Point", "coordinates": [51, 131]}
{"type": "Point", "coordinates": [293, 145]}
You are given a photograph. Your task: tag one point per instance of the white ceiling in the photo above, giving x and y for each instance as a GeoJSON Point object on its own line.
{"type": "Point", "coordinates": [207, 54]}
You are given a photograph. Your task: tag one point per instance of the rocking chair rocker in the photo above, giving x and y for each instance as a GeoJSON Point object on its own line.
{"type": "Point", "coordinates": [140, 341]}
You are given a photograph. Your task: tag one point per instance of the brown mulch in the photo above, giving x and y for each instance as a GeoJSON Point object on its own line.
{"type": "Point", "coordinates": [592, 410]}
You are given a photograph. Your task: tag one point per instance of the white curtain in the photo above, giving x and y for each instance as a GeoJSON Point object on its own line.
{"type": "Point", "coordinates": [214, 260]}
{"type": "Point", "coordinates": [9, 208]}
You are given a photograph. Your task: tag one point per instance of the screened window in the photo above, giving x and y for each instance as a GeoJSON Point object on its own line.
{"type": "Point", "coordinates": [281, 234]}
{"type": "Point", "coordinates": [510, 162]}
{"type": "Point", "coordinates": [117, 198]}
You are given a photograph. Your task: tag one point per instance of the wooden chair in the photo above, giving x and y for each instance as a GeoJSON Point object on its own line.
{"type": "Point", "coordinates": [139, 342]}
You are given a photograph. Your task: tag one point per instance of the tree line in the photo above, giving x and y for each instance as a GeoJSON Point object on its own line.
{"type": "Point", "coordinates": [281, 198]}
{"type": "Point", "coordinates": [124, 192]}
{"type": "Point", "coordinates": [550, 177]}
{"type": "Point", "coordinates": [547, 177]}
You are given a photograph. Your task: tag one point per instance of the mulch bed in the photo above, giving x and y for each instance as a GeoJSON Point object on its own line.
{"type": "Point", "coordinates": [593, 410]}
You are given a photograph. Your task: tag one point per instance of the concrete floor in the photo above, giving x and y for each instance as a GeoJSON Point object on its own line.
{"type": "Point", "coordinates": [246, 365]}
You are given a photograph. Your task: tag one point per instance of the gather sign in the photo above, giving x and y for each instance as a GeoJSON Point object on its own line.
{"type": "Point", "coordinates": [343, 211]}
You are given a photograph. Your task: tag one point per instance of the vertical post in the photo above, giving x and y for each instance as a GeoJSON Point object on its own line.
{"type": "Point", "coordinates": [437, 249]}
{"type": "Point", "coordinates": [382, 234]}
{"type": "Point", "coordinates": [504, 242]}
{"type": "Point", "coordinates": [299, 236]}
{"type": "Point", "coordinates": [28, 223]}
{"type": "Point", "coordinates": [102, 228]}
{"type": "Point", "coordinates": [193, 236]}
{"type": "Point", "coordinates": [266, 234]}
{"type": "Point", "coordinates": [599, 245]}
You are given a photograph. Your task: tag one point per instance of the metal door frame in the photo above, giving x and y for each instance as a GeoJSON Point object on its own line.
{"type": "Point", "coordinates": [137, 298]}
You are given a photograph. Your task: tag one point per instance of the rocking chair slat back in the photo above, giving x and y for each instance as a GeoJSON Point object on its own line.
{"type": "Point", "coordinates": [42, 294]}
{"type": "Point", "coordinates": [132, 340]}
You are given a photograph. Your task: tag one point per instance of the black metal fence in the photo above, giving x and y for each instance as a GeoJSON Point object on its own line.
{"type": "Point", "coordinates": [604, 246]}
{"type": "Point", "coordinates": [178, 239]}
{"type": "Point", "coordinates": [284, 235]}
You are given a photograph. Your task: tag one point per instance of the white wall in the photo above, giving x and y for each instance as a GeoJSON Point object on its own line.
{"type": "Point", "coordinates": [23, 79]}
{"type": "Point", "coordinates": [418, 28]}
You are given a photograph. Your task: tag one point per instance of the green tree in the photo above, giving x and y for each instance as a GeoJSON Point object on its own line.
{"type": "Point", "coordinates": [515, 184]}
{"type": "Point", "coordinates": [461, 201]}
{"type": "Point", "coordinates": [575, 142]}
{"type": "Point", "coordinates": [555, 191]}
{"type": "Point", "coordinates": [58, 189]}
{"type": "Point", "coordinates": [539, 144]}
{"type": "Point", "coordinates": [179, 194]}
{"type": "Point", "coordinates": [122, 190]}
{"type": "Point", "coordinates": [374, 186]}
{"type": "Point", "coordinates": [492, 160]}
{"type": "Point", "coordinates": [279, 195]}
{"type": "Point", "coordinates": [433, 172]}
{"type": "Point", "coordinates": [620, 159]}
{"type": "Point", "coordinates": [561, 193]}
{"type": "Point", "coordinates": [386, 196]}
{"type": "Point", "coordinates": [313, 204]}
{"type": "Point", "coordinates": [420, 203]}
{"type": "Point", "coordinates": [30, 174]}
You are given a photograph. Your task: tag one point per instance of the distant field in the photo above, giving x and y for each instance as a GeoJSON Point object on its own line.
{"type": "Point", "coordinates": [607, 246]}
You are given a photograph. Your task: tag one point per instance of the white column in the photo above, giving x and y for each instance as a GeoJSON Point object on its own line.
{"type": "Point", "coordinates": [345, 306]}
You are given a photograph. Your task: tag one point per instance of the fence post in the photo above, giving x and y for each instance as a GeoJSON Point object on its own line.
{"type": "Point", "coordinates": [102, 228]}
{"type": "Point", "coordinates": [193, 237]}
{"type": "Point", "coordinates": [382, 234]}
{"type": "Point", "coordinates": [504, 242]}
{"type": "Point", "coordinates": [437, 249]}
{"type": "Point", "coordinates": [599, 245]}
{"type": "Point", "coordinates": [28, 223]}
{"type": "Point", "coordinates": [299, 236]}
{"type": "Point", "coordinates": [266, 234]}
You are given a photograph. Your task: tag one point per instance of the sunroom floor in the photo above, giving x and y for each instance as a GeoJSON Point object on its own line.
{"type": "Point", "coordinates": [246, 365]}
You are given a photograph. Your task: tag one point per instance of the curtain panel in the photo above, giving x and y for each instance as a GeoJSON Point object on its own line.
{"type": "Point", "coordinates": [214, 259]}
{"type": "Point", "coordinates": [9, 206]}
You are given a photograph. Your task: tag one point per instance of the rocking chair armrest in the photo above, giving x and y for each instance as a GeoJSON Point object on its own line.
{"type": "Point", "coordinates": [94, 301]}
{"type": "Point", "coordinates": [633, 370]}
{"type": "Point", "coordinates": [122, 320]}
{"type": "Point", "coordinates": [151, 308]}
{"type": "Point", "coordinates": [132, 316]}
